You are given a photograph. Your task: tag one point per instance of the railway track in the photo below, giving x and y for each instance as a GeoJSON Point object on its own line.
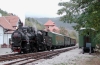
{"type": "Point", "coordinates": [31, 57]}
{"type": "Point", "coordinates": [1, 56]}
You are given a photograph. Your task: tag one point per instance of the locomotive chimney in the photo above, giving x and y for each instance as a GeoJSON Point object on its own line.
{"type": "Point", "coordinates": [22, 18]}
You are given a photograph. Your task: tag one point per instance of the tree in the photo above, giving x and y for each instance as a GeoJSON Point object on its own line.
{"type": "Point", "coordinates": [64, 31]}
{"type": "Point", "coordinates": [86, 13]}
{"type": "Point", "coordinates": [73, 35]}
{"type": "Point", "coordinates": [69, 10]}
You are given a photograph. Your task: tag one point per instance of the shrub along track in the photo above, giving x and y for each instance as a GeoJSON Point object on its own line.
{"type": "Point", "coordinates": [31, 57]}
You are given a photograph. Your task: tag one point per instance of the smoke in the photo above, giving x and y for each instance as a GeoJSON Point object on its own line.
{"type": "Point", "coordinates": [34, 26]}
{"type": "Point", "coordinates": [22, 18]}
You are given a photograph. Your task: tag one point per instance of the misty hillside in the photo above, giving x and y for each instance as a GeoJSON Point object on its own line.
{"type": "Point", "coordinates": [34, 23]}
{"type": "Point", "coordinates": [4, 13]}
{"type": "Point", "coordinates": [57, 22]}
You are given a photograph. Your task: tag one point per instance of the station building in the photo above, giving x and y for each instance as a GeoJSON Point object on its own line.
{"type": "Point", "coordinates": [51, 26]}
{"type": "Point", "coordinates": [7, 23]}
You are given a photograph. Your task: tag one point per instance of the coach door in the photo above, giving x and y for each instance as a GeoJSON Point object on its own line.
{"type": "Point", "coordinates": [86, 40]}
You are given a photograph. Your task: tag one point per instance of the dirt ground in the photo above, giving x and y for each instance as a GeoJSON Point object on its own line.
{"type": "Point", "coordinates": [90, 60]}
{"type": "Point", "coordinates": [73, 57]}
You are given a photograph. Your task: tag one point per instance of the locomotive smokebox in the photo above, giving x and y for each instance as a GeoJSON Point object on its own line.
{"type": "Point", "coordinates": [16, 38]}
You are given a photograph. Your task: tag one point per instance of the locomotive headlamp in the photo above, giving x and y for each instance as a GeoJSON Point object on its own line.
{"type": "Point", "coordinates": [18, 47]}
{"type": "Point", "coordinates": [12, 42]}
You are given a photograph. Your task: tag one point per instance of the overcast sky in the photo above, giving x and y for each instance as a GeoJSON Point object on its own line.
{"type": "Point", "coordinates": [35, 8]}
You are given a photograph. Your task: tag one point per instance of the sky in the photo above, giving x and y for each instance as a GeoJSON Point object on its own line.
{"type": "Point", "coordinates": [33, 8]}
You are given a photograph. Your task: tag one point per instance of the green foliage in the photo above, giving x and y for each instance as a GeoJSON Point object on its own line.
{"type": "Point", "coordinates": [86, 13]}
{"type": "Point", "coordinates": [97, 39]}
{"type": "Point", "coordinates": [4, 13]}
{"type": "Point", "coordinates": [32, 22]}
{"type": "Point", "coordinates": [91, 17]}
{"type": "Point", "coordinates": [67, 9]}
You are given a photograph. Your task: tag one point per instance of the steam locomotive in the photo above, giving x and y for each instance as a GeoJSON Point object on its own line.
{"type": "Point", "coordinates": [26, 40]}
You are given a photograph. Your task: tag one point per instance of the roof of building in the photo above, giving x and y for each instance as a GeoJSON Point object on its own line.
{"type": "Point", "coordinates": [49, 22]}
{"type": "Point", "coordinates": [13, 20]}
{"type": "Point", "coordinates": [53, 29]}
{"type": "Point", "coordinates": [7, 22]}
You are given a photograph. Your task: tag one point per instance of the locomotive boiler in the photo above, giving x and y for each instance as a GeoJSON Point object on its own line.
{"type": "Point", "coordinates": [23, 39]}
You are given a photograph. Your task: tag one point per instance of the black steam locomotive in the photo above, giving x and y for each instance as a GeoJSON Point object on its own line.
{"type": "Point", "coordinates": [26, 39]}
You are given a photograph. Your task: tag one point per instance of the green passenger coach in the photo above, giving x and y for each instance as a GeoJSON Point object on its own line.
{"type": "Point", "coordinates": [57, 39]}
{"type": "Point", "coordinates": [86, 37]}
